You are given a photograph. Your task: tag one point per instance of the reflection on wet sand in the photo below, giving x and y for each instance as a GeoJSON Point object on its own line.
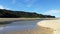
{"type": "Point", "coordinates": [38, 30]}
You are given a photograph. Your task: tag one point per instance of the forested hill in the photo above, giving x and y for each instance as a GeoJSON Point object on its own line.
{"type": "Point", "coordinates": [21, 14]}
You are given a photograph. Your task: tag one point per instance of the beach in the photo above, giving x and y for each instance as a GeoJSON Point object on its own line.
{"type": "Point", "coordinates": [53, 24]}
{"type": "Point", "coordinates": [29, 26]}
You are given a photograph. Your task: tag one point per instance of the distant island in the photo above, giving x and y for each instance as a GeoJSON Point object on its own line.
{"type": "Point", "coordinates": [21, 14]}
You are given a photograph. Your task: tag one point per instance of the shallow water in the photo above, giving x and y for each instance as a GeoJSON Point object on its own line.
{"type": "Point", "coordinates": [24, 27]}
{"type": "Point", "coordinates": [18, 26]}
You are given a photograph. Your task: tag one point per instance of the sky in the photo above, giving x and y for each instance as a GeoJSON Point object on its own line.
{"type": "Point", "coordinates": [46, 7]}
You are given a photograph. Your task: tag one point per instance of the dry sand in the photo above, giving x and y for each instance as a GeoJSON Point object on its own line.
{"type": "Point", "coordinates": [53, 24]}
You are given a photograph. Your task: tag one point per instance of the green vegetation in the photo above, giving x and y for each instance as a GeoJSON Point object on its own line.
{"type": "Point", "coordinates": [21, 14]}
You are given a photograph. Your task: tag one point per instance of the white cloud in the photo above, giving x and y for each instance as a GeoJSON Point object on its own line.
{"type": "Point", "coordinates": [51, 12]}
{"type": "Point", "coordinates": [2, 7]}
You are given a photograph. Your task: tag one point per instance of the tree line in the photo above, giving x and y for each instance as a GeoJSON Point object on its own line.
{"type": "Point", "coordinates": [21, 14]}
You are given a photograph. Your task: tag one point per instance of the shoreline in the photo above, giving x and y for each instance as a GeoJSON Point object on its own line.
{"type": "Point", "coordinates": [52, 24]}
{"type": "Point", "coordinates": [9, 20]}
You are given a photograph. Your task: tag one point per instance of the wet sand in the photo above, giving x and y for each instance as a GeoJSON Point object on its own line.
{"type": "Point", "coordinates": [21, 19]}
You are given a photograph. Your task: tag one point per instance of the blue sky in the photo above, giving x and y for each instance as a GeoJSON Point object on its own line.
{"type": "Point", "coordinates": [48, 7]}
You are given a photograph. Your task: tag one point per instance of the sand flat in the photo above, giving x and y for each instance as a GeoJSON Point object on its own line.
{"type": "Point", "coordinates": [54, 24]}
{"type": "Point", "coordinates": [13, 19]}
